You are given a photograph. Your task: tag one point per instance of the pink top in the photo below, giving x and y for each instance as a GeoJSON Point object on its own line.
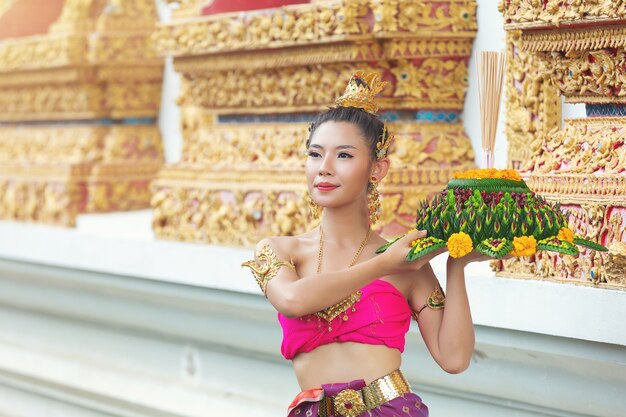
{"type": "Point", "coordinates": [382, 316]}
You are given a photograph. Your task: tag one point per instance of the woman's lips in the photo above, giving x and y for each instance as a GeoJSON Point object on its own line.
{"type": "Point", "coordinates": [325, 186]}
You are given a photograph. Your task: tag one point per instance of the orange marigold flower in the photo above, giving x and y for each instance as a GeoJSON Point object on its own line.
{"type": "Point", "coordinates": [524, 246]}
{"type": "Point", "coordinates": [477, 174]}
{"type": "Point", "coordinates": [566, 234]}
{"type": "Point", "coordinates": [459, 244]}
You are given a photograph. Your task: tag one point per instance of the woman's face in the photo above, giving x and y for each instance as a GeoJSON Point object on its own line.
{"type": "Point", "coordinates": [338, 164]}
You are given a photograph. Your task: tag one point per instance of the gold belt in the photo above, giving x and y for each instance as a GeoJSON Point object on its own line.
{"type": "Point", "coordinates": [351, 403]}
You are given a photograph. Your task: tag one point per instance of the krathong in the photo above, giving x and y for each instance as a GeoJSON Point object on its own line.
{"type": "Point", "coordinates": [492, 210]}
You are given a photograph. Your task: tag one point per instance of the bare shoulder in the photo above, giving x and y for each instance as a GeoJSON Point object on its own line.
{"type": "Point", "coordinates": [286, 247]}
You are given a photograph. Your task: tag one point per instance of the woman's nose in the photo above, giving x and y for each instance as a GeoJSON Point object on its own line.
{"type": "Point", "coordinates": [326, 167]}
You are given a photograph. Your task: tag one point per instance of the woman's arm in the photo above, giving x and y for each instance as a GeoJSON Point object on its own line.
{"type": "Point", "coordinates": [448, 332]}
{"type": "Point", "coordinates": [295, 296]}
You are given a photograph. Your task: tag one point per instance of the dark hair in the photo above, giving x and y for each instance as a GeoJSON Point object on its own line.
{"type": "Point", "coordinates": [371, 126]}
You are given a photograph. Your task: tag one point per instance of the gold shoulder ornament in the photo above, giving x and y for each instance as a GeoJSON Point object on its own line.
{"type": "Point", "coordinates": [267, 267]}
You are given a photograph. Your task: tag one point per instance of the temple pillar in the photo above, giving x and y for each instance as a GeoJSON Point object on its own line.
{"type": "Point", "coordinates": [577, 51]}
{"type": "Point", "coordinates": [80, 96]}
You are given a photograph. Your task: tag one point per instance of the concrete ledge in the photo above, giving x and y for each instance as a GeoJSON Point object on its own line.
{"type": "Point", "coordinates": [118, 345]}
{"type": "Point", "coordinates": [122, 244]}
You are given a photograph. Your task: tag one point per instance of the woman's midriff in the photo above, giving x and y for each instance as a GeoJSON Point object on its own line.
{"type": "Point", "coordinates": [340, 362]}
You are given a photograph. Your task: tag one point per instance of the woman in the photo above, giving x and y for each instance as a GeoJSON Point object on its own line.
{"type": "Point", "coordinates": [345, 310]}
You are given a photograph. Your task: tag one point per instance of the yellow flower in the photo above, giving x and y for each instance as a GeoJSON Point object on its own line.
{"type": "Point", "coordinates": [459, 244]}
{"type": "Point", "coordinates": [477, 174]}
{"type": "Point", "coordinates": [566, 234]}
{"type": "Point", "coordinates": [524, 246]}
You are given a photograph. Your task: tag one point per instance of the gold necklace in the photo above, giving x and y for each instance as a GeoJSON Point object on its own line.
{"type": "Point", "coordinates": [356, 255]}
{"type": "Point", "coordinates": [333, 311]}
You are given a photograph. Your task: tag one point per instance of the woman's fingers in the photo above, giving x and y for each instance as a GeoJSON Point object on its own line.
{"type": "Point", "coordinates": [413, 235]}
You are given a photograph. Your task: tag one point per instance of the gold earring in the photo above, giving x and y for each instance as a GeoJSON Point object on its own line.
{"type": "Point", "coordinates": [373, 202]}
{"type": "Point", "coordinates": [314, 208]}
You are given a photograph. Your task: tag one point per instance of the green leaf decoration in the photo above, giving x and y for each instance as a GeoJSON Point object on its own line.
{"type": "Point", "coordinates": [425, 246]}
{"type": "Point", "coordinates": [386, 245]}
{"type": "Point", "coordinates": [554, 244]}
{"type": "Point", "coordinates": [496, 248]}
{"type": "Point", "coordinates": [589, 244]}
{"type": "Point", "coordinates": [493, 211]}
{"type": "Point", "coordinates": [489, 184]}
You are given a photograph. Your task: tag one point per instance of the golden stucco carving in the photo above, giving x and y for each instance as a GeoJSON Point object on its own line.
{"type": "Point", "coordinates": [315, 22]}
{"type": "Point", "coordinates": [603, 151]}
{"type": "Point", "coordinates": [596, 76]}
{"type": "Point", "coordinates": [616, 268]}
{"type": "Point", "coordinates": [582, 164]}
{"type": "Point", "coordinates": [238, 180]}
{"type": "Point", "coordinates": [62, 171]}
{"type": "Point", "coordinates": [218, 160]}
{"type": "Point", "coordinates": [532, 105]}
{"type": "Point", "coordinates": [95, 63]}
{"type": "Point", "coordinates": [529, 13]}
{"type": "Point", "coordinates": [67, 73]}
{"type": "Point", "coordinates": [580, 39]}
{"type": "Point", "coordinates": [442, 84]}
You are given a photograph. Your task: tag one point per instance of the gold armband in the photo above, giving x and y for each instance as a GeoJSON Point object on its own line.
{"type": "Point", "coordinates": [267, 268]}
{"type": "Point", "coordinates": [436, 301]}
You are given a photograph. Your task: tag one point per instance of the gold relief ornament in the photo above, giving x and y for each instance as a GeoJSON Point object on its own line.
{"type": "Point", "coordinates": [555, 12]}
{"type": "Point", "coordinates": [563, 151]}
{"type": "Point", "coordinates": [533, 106]}
{"type": "Point", "coordinates": [267, 266]}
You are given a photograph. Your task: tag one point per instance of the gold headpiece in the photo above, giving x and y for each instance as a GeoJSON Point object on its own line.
{"type": "Point", "coordinates": [361, 91]}
{"type": "Point", "coordinates": [383, 143]}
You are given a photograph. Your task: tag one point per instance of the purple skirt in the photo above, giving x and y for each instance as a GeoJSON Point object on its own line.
{"type": "Point", "coordinates": [407, 405]}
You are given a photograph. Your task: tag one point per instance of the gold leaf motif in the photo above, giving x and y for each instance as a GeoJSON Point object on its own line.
{"type": "Point", "coordinates": [554, 12]}
{"type": "Point", "coordinates": [332, 312]}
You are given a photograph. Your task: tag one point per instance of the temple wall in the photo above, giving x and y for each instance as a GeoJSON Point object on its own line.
{"type": "Point", "coordinates": [105, 319]}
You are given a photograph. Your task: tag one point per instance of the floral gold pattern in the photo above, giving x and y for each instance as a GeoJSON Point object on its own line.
{"type": "Point", "coordinates": [349, 403]}
{"type": "Point", "coordinates": [248, 83]}
{"type": "Point", "coordinates": [90, 66]}
{"type": "Point", "coordinates": [560, 49]}
{"type": "Point", "coordinates": [266, 267]}
{"type": "Point", "coordinates": [341, 307]}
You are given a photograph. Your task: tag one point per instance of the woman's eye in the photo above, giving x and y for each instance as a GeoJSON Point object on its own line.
{"type": "Point", "coordinates": [344, 155]}
{"type": "Point", "coordinates": [313, 154]}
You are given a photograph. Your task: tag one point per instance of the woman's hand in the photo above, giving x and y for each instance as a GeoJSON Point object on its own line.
{"type": "Point", "coordinates": [473, 256]}
{"type": "Point", "coordinates": [395, 256]}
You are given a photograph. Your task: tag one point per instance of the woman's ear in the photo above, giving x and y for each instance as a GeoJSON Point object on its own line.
{"type": "Point", "coordinates": [380, 168]}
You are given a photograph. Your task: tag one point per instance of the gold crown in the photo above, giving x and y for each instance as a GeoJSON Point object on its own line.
{"type": "Point", "coordinates": [361, 91]}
